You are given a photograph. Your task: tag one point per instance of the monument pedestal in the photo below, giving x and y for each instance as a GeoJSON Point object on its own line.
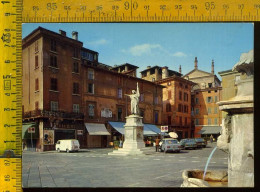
{"type": "Point", "coordinates": [133, 143]}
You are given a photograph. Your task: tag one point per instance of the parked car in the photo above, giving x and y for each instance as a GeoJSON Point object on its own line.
{"type": "Point", "coordinates": [169, 144]}
{"type": "Point", "coordinates": [201, 142]}
{"type": "Point", "coordinates": [67, 145]}
{"type": "Point", "coordinates": [188, 144]}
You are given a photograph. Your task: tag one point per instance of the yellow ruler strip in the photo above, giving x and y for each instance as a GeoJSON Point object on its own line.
{"type": "Point", "coordinates": [140, 10]}
{"type": "Point", "coordinates": [10, 95]}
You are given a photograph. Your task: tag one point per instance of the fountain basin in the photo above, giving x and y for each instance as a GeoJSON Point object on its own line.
{"type": "Point", "coordinates": [213, 178]}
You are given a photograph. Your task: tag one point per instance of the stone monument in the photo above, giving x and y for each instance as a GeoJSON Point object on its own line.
{"type": "Point", "coordinates": [237, 134]}
{"type": "Point", "coordinates": [133, 143]}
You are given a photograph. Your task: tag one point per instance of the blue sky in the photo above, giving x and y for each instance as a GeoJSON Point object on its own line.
{"type": "Point", "coordinates": [162, 44]}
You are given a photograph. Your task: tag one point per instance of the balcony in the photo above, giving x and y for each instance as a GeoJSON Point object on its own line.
{"type": "Point", "coordinates": [53, 114]}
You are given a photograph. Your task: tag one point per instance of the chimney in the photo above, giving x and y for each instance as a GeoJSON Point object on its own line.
{"type": "Point", "coordinates": [180, 69]}
{"type": "Point", "coordinates": [63, 33]}
{"type": "Point", "coordinates": [196, 63]}
{"type": "Point", "coordinates": [75, 35]}
{"type": "Point", "coordinates": [149, 67]}
{"type": "Point", "coordinates": [165, 72]}
{"type": "Point", "coordinates": [212, 67]}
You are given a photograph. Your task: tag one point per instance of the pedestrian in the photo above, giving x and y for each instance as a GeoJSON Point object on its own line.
{"type": "Point", "coordinates": [120, 143]}
{"type": "Point", "coordinates": [211, 138]}
{"type": "Point", "coordinates": [157, 141]}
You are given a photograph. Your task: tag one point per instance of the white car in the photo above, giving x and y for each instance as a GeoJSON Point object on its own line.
{"type": "Point", "coordinates": [67, 145]}
{"type": "Point", "coordinates": [169, 144]}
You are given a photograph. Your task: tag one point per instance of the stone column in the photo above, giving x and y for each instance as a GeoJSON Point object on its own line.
{"type": "Point", "coordinates": [237, 137]}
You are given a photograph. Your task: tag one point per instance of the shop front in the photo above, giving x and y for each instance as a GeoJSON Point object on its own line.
{"type": "Point", "coordinates": [30, 136]}
{"type": "Point", "coordinates": [207, 131]}
{"type": "Point", "coordinates": [97, 135]}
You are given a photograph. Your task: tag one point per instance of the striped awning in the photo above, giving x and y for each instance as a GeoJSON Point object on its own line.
{"type": "Point", "coordinates": [96, 129]}
{"type": "Point", "coordinates": [206, 130]}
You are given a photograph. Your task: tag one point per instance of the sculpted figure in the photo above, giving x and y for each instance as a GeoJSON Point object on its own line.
{"type": "Point", "coordinates": [134, 101]}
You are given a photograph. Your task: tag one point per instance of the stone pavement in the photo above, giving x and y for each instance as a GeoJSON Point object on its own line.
{"type": "Point", "coordinates": [94, 168]}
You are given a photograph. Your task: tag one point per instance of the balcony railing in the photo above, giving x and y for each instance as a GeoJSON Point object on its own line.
{"type": "Point", "coordinates": [52, 114]}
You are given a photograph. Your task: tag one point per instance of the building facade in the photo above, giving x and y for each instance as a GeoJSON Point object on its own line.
{"type": "Point", "coordinates": [176, 99]}
{"type": "Point", "coordinates": [68, 94]}
{"type": "Point", "coordinates": [205, 93]}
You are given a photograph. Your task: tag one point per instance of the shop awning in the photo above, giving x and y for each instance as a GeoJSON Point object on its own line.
{"type": "Point", "coordinates": [206, 130]}
{"type": "Point", "coordinates": [119, 126]}
{"type": "Point", "coordinates": [96, 129]}
{"type": "Point", "coordinates": [26, 135]}
{"type": "Point", "coordinates": [149, 129]}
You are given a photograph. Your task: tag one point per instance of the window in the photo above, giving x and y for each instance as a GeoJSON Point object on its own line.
{"type": "Point", "coordinates": [209, 99]}
{"type": "Point", "coordinates": [169, 120]}
{"type": "Point", "coordinates": [76, 53]}
{"type": "Point", "coordinates": [36, 105]}
{"type": "Point", "coordinates": [180, 120]}
{"type": "Point", "coordinates": [119, 93]}
{"type": "Point", "coordinates": [91, 111]}
{"type": "Point", "coordinates": [54, 84]}
{"type": "Point", "coordinates": [75, 108]}
{"type": "Point", "coordinates": [75, 88]}
{"type": "Point", "coordinates": [144, 74]}
{"type": "Point", "coordinates": [90, 88]}
{"type": "Point", "coordinates": [186, 97]}
{"type": "Point", "coordinates": [169, 94]}
{"type": "Point", "coordinates": [216, 98]}
{"type": "Point", "coordinates": [87, 56]}
{"type": "Point", "coordinates": [75, 67]}
{"type": "Point", "coordinates": [36, 61]}
{"type": "Point", "coordinates": [209, 110]}
{"type": "Point", "coordinates": [141, 97]}
{"type": "Point", "coordinates": [54, 106]}
{"type": "Point", "coordinates": [210, 85]}
{"type": "Point", "coordinates": [196, 121]}
{"type": "Point", "coordinates": [179, 108]}
{"type": "Point", "coordinates": [168, 107]}
{"type": "Point", "coordinates": [196, 100]}
{"type": "Point", "coordinates": [209, 121]}
{"type": "Point", "coordinates": [186, 121]}
{"type": "Point", "coordinates": [53, 45]}
{"type": "Point", "coordinates": [215, 110]}
{"type": "Point", "coordinates": [216, 121]}
{"type": "Point", "coordinates": [153, 79]}
{"type": "Point", "coordinates": [186, 110]}
{"type": "Point", "coordinates": [53, 61]}
{"type": "Point", "coordinates": [197, 111]}
{"type": "Point", "coordinates": [186, 86]}
{"type": "Point", "coordinates": [37, 84]}
{"type": "Point", "coordinates": [156, 100]}
{"type": "Point", "coordinates": [119, 114]}
{"type": "Point", "coordinates": [36, 46]}
{"type": "Point", "coordinates": [216, 91]}
{"type": "Point", "coordinates": [156, 117]}
{"type": "Point", "coordinates": [180, 95]}
{"type": "Point", "coordinates": [180, 84]}
{"type": "Point", "coordinates": [90, 74]}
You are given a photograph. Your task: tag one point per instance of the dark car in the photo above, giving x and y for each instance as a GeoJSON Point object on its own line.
{"type": "Point", "coordinates": [188, 144]}
{"type": "Point", "coordinates": [201, 142]}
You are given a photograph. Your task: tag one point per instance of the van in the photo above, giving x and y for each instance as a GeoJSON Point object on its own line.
{"type": "Point", "coordinates": [67, 145]}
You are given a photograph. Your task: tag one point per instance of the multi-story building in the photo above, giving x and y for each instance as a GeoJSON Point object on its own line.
{"type": "Point", "coordinates": [205, 94]}
{"type": "Point", "coordinates": [176, 99]}
{"type": "Point", "coordinates": [68, 94]}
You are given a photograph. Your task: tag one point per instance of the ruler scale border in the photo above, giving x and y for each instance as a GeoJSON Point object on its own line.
{"type": "Point", "coordinates": [112, 11]}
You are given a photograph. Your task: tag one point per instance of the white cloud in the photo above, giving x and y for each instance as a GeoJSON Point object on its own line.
{"type": "Point", "coordinates": [139, 50]}
{"type": "Point", "coordinates": [179, 54]}
{"type": "Point", "coordinates": [99, 42]}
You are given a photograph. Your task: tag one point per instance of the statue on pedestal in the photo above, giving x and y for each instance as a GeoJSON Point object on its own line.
{"type": "Point", "coordinates": [134, 101]}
